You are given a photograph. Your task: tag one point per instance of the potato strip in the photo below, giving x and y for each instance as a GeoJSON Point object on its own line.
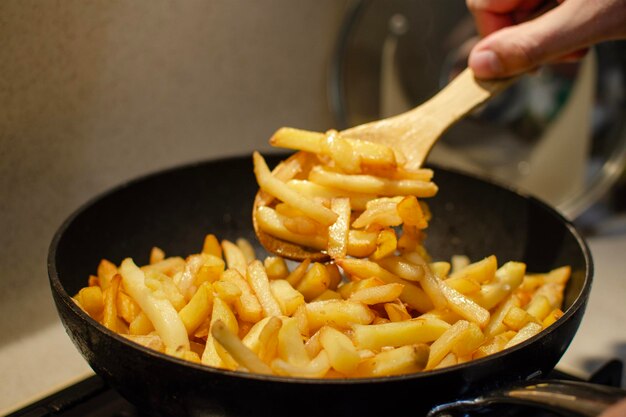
{"type": "Point", "coordinates": [371, 184]}
{"type": "Point", "coordinates": [280, 190]}
{"type": "Point", "coordinates": [358, 201]}
{"type": "Point", "coordinates": [160, 312]}
{"type": "Point", "coordinates": [370, 152]}
{"type": "Point", "coordinates": [240, 352]}
{"type": "Point", "coordinates": [339, 231]}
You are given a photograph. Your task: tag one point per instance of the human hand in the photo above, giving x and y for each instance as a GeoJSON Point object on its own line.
{"type": "Point", "coordinates": [512, 44]}
{"type": "Point", "coordinates": [617, 410]}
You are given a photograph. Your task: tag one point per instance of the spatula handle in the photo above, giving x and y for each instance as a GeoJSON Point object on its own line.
{"type": "Point", "coordinates": [464, 93]}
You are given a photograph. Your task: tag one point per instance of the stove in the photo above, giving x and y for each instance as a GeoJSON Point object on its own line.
{"type": "Point", "coordinates": [92, 397]}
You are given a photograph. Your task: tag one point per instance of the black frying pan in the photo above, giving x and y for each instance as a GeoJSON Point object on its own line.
{"type": "Point", "coordinates": [174, 209]}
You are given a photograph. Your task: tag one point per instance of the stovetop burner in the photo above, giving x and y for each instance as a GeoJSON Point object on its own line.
{"type": "Point", "coordinates": [92, 397]}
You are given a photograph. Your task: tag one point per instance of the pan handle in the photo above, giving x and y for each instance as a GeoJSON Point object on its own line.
{"type": "Point", "coordinates": [568, 398]}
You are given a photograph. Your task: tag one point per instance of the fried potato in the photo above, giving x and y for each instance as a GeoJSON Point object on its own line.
{"type": "Point", "coordinates": [280, 190]}
{"type": "Point", "coordinates": [290, 344]}
{"type": "Point", "coordinates": [273, 223]}
{"type": "Point", "coordinates": [164, 287]}
{"type": "Point", "coordinates": [559, 275]}
{"type": "Point", "coordinates": [141, 325]}
{"type": "Point", "coordinates": [315, 368]}
{"type": "Point", "coordinates": [185, 281]}
{"type": "Point", "coordinates": [198, 308]}
{"type": "Point", "coordinates": [370, 326]}
{"type": "Point", "coordinates": [539, 307]}
{"type": "Point", "coordinates": [380, 211]}
{"type": "Point", "coordinates": [287, 170]}
{"type": "Point", "coordinates": [314, 282]}
{"type": "Point", "coordinates": [334, 275]}
{"type": "Point", "coordinates": [444, 344]}
{"type": "Point", "coordinates": [396, 311]}
{"type": "Point", "coordinates": [227, 291]}
{"type": "Point", "coordinates": [368, 153]}
{"type": "Point", "coordinates": [237, 350]}
{"type": "Point", "coordinates": [458, 262]}
{"type": "Point", "coordinates": [464, 285]}
{"type": "Point", "coordinates": [91, 299]}
{"type": "Point", "coordinates": [246, 248]}
{"type": "Point", "coordinates": [411, 294]}
{"type": "Point", "coordinates": [551, 318]}
{"type": "Point", "coordinates": [371, 185]}
{"type": "Point", "coordinates": [247, 306]}
{"type": "Point", "coordinates": [127, 308]}
{"type": "Point", "coordinates": [156, 255]}
{"type": "Point", "coordinates": [440, 268]}
{"type": "Point", "coordinates": [464, 306]}
{"type": "Point", "coordinates": [106, 271]}
{"type": "Point", "coordinates": [297, 274]}
{"type": "Point", "coordinates": [378, 295]}
{"type": "Point", "coordinates": [402, 360]}
{"type": "Point", "coordinates": [526, 332]}
{"type": "Point", "coordinates": [493, 345]}
{"type": "Point", "coordinates": [410, 332]}
{"type": "Point", "coordinates": [449, 360]}
{"type": "Point", "coordinates": [481, 272]}
{"type": "Point", "coordinates": [110, 318]}
{"type": "Point", "coordinates": [211, 269]}
{"type": "Point", "coordinates": [342, 354]}
{"type": "Point", "coordinates": [328, 295]}
{"type": "Point", "coordinates": [262, 338]}
{"type": "Point", "coordinates": [288, 298]}
{"type": "Point", "coordinates": [161, 313]}
{"type": "Point", "coordinates": [496, 323]}
{"type": "Point", "coordinates": [212, 246]}
{"type": "Point", "coordinates": [337, 313]}
{"type": "Point", "coordinates": [339, 231]}
{"type": "Point", "coordinates": [431, 283]}
{"type": "Point", "coordinates": [235, 258]}
{"type": "Point", "coordinates": [258, 280]}
{"type": "Point", "coordinates": [383, 306]}
{"type": "Point", "coordinates": [468, 341]}
{"type": "Point", "coordinates": [386, 244]}
{"type": "Point", "coordinates": [358, 201]}
{"type": "Point", "coordinates": [214, 353]}
{"type": "Point", "coordinates": [151, 341]}
{"type": "Point", "coordinates": [411, 213]}
{"type": "Point", "coordinates": [507, 278]}
{"type": "Point", "coordinates": [516, 318]}
{"type": "Point", "coordinates": [168, 266]}
{"type": "Point", "coordinates": [276, 267]}
{"type": "Point", "coordinates": [400, 267]}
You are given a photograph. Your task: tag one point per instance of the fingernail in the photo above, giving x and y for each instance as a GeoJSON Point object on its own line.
{"type": "Point", "coordinates": [485, 63]}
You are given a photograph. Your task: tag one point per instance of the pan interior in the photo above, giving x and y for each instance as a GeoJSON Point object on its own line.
{"type": "Point", "coordinates": [175, 209]}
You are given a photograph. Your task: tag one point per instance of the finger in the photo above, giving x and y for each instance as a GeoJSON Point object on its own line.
{"type": "Point", "coordinates": [493, 15]}
{"type": "Point", "coordinates": [502, 6]}
{"type": "Point", "coordinates": [487, 22]}
{"type": "Point", "coordinates": [617, 410]}
{"type": "Point", "coordinates": [573, 56]}
{"type": "Point", "coordinates": [516, 49]}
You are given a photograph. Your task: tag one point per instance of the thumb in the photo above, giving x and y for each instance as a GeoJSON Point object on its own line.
{"type": "Point", "coordinates": [571, 26]}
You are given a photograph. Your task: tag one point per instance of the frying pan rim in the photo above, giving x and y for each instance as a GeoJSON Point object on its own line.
{"type": "Point", "coordinates": [84, 318]}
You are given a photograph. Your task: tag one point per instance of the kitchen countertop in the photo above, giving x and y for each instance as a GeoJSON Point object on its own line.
{"type": "Point", "coordinates": [46, 361]}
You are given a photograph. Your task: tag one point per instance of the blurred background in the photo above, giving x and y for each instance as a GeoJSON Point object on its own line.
{"type": "Point", "coordinates": [94, 93]}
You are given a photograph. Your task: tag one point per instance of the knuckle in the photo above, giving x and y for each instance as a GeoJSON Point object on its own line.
{"type": "Point", "coordinates": [525, 52]}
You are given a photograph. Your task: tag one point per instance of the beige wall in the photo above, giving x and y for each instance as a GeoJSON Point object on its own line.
{"type": "Point", "coordinates": [96, 92]}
